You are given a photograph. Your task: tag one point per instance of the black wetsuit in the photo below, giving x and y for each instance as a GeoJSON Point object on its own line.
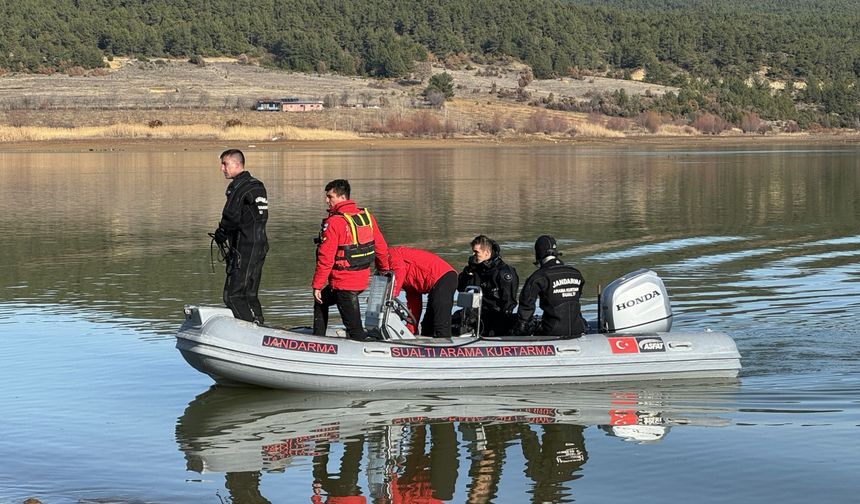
{"type": "Point", "coordinates": [499, 283]}
{"type": "Point", "coordinates": [559, 288]}
{"type": "Point", "coordinates": [243, 220]}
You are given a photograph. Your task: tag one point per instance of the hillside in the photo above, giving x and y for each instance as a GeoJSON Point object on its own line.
{"type": "Point", "coordinates": [177, 93]}
{"type": "Point", "coordinates": [790, 62]}
{"type": "Point", "coordinates": [224, 83]}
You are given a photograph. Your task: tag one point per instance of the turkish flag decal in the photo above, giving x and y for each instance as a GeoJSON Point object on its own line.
{"type": "Point", "coordinates": [623, 345]}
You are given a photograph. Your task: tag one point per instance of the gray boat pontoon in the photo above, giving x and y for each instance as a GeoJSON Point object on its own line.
{"type": "Point", "coordinates": [634, 344]}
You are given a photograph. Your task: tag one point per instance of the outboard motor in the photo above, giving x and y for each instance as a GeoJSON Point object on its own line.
{"type": "Point", "coordinates": [636, 303]}
{"type": "Point", "coordinates": [385, 316]}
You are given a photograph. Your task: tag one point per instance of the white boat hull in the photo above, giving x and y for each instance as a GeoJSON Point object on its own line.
{"type": "Point", "coordinates": [232, 351]}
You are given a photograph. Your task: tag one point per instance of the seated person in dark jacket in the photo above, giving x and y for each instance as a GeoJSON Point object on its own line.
{"type": "Point", "coordinates": [559, 287]}
{"type": "Point", "coordinates": [498, 282]}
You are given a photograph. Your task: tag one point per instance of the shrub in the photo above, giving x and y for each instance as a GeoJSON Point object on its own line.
{"type": "Point", "coordinates": [650, 120]}
{"type": "Point", "coordinates": [537, 122]}
{"type": "Point", "coordinates": [617, 124]}
{"type": "Point", "coordinates": [18, 119]}
{"type": "Point", "coordinates": [489, 71]}
{"type": "Point", "coordinates": [494, 126]}
{"type": "Point", "coordinates": [198, 60]}
{"type": "Point", "coordinates": [523, 95]}
{"type": "Point", "coordinates": [791, 127]}
{"type": "Point", "coordinates": [595, 118]}
{"type": "Point", "coordinates": [441, 83]}
{"type": "Point", "coordinates": [558, 125]}
{"type": "Point", "coordinates": [330, 101]}
{"type": "Point", "coordinates": [423, 122]}
{"type": "Point", "coordinates": [541, 122]}
{"type": "Point", "coordinates": [393, 123]}
{"type": "Point", "coordinates": [525, 79]}
{"type": "Point", "coordinates": [751, 123]}
{"type": "Point", "coordinates": [426, 123]}
{"type": "Point", "coordinates": [436, 99]}
{"type": "Point", "coordinates": [710, 124]}
{"type": "Point", "coordinates": [76, 71]}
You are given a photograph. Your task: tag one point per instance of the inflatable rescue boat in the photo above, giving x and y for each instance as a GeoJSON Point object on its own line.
{"type": "Point", "coordinates": [633, 343]}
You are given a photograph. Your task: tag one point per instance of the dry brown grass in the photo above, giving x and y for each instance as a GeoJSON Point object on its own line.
{"type": "Point", "coordinates": [194, 131]}
{"type": "Point", "coordinates": [677, 130]}
{"type": "Point", "coordinates": [590, 130]}
{"type": "Point", "coordinates": [458, 117]}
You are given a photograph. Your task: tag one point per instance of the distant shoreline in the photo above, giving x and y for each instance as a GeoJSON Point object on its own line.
{"type": "Point", "coordinates": [387, 142]}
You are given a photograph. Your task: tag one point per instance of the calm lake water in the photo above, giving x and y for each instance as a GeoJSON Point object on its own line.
{"type": "Point", "coordinates": [101, 250]}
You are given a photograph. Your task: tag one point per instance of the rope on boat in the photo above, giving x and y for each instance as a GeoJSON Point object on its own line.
{"type": "Point", "coordinates": [223, 251]}
{"type": "Point", "coordinates": [522, 339]}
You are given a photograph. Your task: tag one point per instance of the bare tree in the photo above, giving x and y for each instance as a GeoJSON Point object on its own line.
{"type": "Point", "coordinates": [330, 101]}
{"type": "Point", "coordinates": [365, 98]}
{"type": "Point", "coordinates": [751, 123]}
{"type": "Point", "coordinates": [203, 99]}
{"type": "Point", "coordinates": [423, 70]}
{"type": "Point", "coordinates": [436, 99]}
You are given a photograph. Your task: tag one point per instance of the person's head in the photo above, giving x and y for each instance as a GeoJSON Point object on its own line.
{"type": "Point", "coordinates": [482, 248]}
{"type": "Point", "coordinates": [336, 191]}
{"type": "Point", "coordinates": [545, 246]}
{"type": "Point", "coordinates": [232, 163]}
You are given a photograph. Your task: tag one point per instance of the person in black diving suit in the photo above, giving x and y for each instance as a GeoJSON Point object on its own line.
{"type": "Point", "coordinates": [242, 233]}
{"type": "Point", "coordinates": [559, 288]}
{"type": "Point", "coordinates": [498, 282]}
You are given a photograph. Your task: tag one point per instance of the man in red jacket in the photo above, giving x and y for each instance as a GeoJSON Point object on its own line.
{"type": "Point", "coordinates": [420, 272]}
{"type": "Point", "coordinates": [349, 242]}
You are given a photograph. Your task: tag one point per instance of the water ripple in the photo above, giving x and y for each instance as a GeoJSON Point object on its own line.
{"type": "Point", "coordinates": [688, 266]}
{"type": "Point", "coordinates": [667, 246]}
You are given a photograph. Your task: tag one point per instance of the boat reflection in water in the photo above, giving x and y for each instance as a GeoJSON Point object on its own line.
{"type": "Point", "coordinates": [415, 444]}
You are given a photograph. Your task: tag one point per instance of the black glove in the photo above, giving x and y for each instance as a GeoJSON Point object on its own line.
{"type": "Point", "coordinates": [523, 328]}
{"type": "Point", "coordinates": [220, 236]}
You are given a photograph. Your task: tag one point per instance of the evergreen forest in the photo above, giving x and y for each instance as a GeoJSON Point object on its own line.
{"type": "Point", "coordinates": [710, 50]}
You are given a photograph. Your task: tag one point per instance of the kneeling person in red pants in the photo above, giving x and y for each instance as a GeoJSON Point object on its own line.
{"type": "Point", "coordinates": [420, 272]}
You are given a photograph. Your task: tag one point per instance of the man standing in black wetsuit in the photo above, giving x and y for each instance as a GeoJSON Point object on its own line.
{"type": "Point", "coordinates": [242, 231]}
{"type": "Point", "coordinates": [559, 288]}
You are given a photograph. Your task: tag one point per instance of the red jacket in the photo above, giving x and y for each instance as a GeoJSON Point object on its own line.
{"type": "Point", "coordinates": [333, 499]}
{"type": "Point", "coordinates": [413, 492]}
{"type": "Point", "coordinates": [416, 271]}
{"type": "Point", "coordinates": [336, 232]}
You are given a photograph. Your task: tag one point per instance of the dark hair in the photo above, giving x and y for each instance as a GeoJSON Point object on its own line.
{"type": "Point", "coordinates": [484, 242]}
{"type": "Point", "coordinates": [234, 154]}
{"type": "Point", "coordinates": [487, 243]}
{"type": "Point", "coordinates": [339, 186]}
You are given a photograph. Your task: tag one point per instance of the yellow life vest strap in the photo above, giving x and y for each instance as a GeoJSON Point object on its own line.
{"type": "Point", "coordinates": [363, 219]}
